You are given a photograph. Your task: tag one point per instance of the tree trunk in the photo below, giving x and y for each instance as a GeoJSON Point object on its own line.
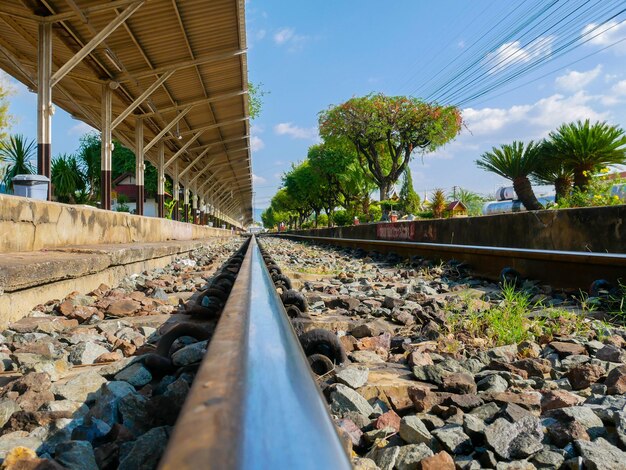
{"type": "Point", "coordinates": [582, 177]}
{"type": "Point", "coordinates": [525, 193]}
{"type": "Point", "coordinates": [317, 213]}
{"type": "Point", "coordinates": [561, 188]}
{"type": "Point", "coordinates": [384, 190]}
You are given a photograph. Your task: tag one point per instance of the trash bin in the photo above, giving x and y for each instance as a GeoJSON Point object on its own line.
{"type": "Point", "coordinates": [33, 186]}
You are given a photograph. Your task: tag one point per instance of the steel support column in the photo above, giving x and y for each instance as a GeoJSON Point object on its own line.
{"type": "Point", "coordinates": [106, 148]}
{"type": "Point", "coordinates": [201, 216]}
{"type": "Point", "coordinates": [139, 164]}
{"type": "Point", "coordinates": [161, 180]}
{"type": "Point", "coordinates": [44, 103]}
{"type": "Point", "coordinates": [186, 205]}
{"type": "Point", "coordinates": [175, 214]}
{"type": "Point", "coordinates": [194, 208]}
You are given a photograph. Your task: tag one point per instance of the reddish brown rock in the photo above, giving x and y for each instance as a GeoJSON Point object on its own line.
{"type": "Point", "coordinates": [390, 419]}
{"type": "Point", "coordinates": [423, 398]}
{"type": "Point", "coordinates": [440, 461]}
{"type": "Point", "coordinates": [583, 375]}
{"type": "Point", "coordinates": [351, 430]}
{"type": "Point", "coordinates": [45, 324]}
{"type": "Point", "coordinates": [374, 343]}
{"type": "Point", "coordinates": [505, 366]}
{"type": "Point", "coordinates": [417, 358]}
{"type": "Point", "coordinates": [563, 433]}
{"type": "Point", "coordinates": [109, 357]}
{"type": "Point", "coordinates": [348, 342]}
{"type": "Point", "coordinates": [82, 313]}
{"type": "Point", "coordinates": [616, 381]}
{"type": "Point", "coordinates": [616, 340]}
{"type": "Point", "coordinates": [123, 308]}
{"type": "Point", "coordinates": [568, 349]}
{"type": "Point", "coordinates": [535, 367]}
{"type": "Point", "coordinates": [554, 399]}
{"type": "Point", "coordinates": [528, 400]}
{"type": "Point", "coordinates": [32, 401]}
{"type": "Point", "coordinates": [459, 382]}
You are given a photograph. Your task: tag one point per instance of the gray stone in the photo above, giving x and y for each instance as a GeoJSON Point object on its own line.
{"type": "Point", "coordinates": [492, 383]}
{"type": "Point", "coordinates": [7, 408]}
{"type": "Point", "coordinates": [135, 374]}
{"type": "Point", "coordinates": [17, 438]}
{"type": "Point", "coordinates": [81, 388]}
{"type": "Point", "coordinates": [76, 408]}
{"type": "Point", "coordinates": [134, 412]}
{"type": "Point", "coordinates": [486, 412]}
{"type": "Point", "coordinates": [107, 401]}
{"type": "Point", "coordinates": [353, 376]}
{"type": "Point", "coordinates": [611, 353]}
{"type": "Point", "coordinates": [414, 431]}
{"type": "Point", "coordinates": [474, 427]}
{"type": "Point", "coordinates": [145, 452]}
{"type": "Point", "coordinates": [453, 438]}
{"type": "Point", "coordinates": [345, 399]}
{"type": "Point", "coordinates": [619, 419]}
{"type": "Point", "coordinates": [549, 459]}
{"type": "Point", "coordinates": [410, 455]}
{"type": "Point", "coordinates": [515, 440]}
{"type": "Point", "coordinates": [363, 463]}
{"type": "Point", "coordinates": [76, 455]}
{"type": "Point", "coordinates": [600, 455]}
{"type": "Point", "coordinates": [55, 367]}
{"type": "Point", "coordinates": [366, 356]}
{"type": "Point", "coordinates": [515, 465]}
{"type": "Point", "coordinates": [110, 370]}
{"type": "Point", "coordinates": [91, 429]}
{"type": "Point", "coordinates": [574, 360]}
{"type": "Point", "coordinates": [190, 354]}
{"type": "Point", "coordinates": [585, 416]}
{"type": "Point", "coordinates": [86, 353]}
{"type": "Point", "coordinates": [386, 458]}
{"type": "Point", "coordinates": [466, 462]}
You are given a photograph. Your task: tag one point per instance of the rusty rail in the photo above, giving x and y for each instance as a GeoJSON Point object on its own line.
{"type": "Point", "coordinates": [254, 403]}
{"type": "Point", "coordinates": [565, 269]}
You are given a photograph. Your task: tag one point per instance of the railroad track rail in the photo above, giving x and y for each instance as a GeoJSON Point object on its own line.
{"type": "Point", "coordinates": [563, 269]}
{"type": "Point", "coordinates": [254, 402]}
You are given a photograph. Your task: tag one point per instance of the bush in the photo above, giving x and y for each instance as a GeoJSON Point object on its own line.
{"type": "Point", "coordinates": [342, 218]}
{"type": "Point", "coordinates": [598, 193]}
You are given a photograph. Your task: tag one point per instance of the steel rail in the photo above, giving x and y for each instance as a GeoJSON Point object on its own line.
{"type": "Point", "coordinates": [254, 403]}
{"type": "Point", "coordinates": [573, 269]}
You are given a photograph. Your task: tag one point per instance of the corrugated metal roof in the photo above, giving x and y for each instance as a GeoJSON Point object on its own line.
{"type": "Point", "coordinates": [203, 41]}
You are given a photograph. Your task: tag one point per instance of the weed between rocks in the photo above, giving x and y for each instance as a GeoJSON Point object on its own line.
{"type": "Point", "coordinates": [513, 320]}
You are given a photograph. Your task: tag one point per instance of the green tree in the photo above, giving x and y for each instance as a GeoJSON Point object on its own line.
{"type": "Point", "coordinates": [438, 203]}
{"type": "Point", "coordinates": [255, 99]}
{"type": "Point", "coordinates": [302, 185]}
{"type": "Point", "coordinates": [386, 131]}
{"type": "Point", "coordinates": [473, 201]}
{"type": "Point", "coordinates": [515, 162]}
{"type": "Point", "coordinates": [67, 177]}
{"type": "Point", "coordinates": [17, 153]}
{"type": "Point", "coordinates": [553, 171]}
{"type": "Point", "coordinates": [587, 148]}
{"type": "Point", "coordinates": [409, 200]}
{"type": "Point", "coordinates": [89, 157]}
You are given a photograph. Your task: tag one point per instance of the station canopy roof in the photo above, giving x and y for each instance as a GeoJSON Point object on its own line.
{"type": "Point", "coordinates": [195, 47]}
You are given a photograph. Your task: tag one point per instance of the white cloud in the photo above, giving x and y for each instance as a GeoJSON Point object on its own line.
{"type": "Point", "coordinates": [575, 81]}
{"type": "Point", "coordinates": [607, 34]}
{"type": "Point", "coordinates": [288, 37]}
{"type": "Point", "coordinates": [256, 143]}
{"type": "Point", "coordinates": [287, 128]}
{"type": "Point", "coordinates": [256, 179]}
{"type": "Point", "coordinates": [283, 35]}
{"type": "Point", "coordinates": [260, 34]}
{"type": "Point", "coordinates": [543, 115]}
{"type": "Point", "coordinates": [512, 53]}
{"type": "Point", "coordinates": [80, 129]}
{"type": "Point", "coordinates": [619, 88]}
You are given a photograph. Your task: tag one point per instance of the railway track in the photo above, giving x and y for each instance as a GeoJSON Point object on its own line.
{"type": "Point", "coordinates": [565, 269]}
{"type": "Point", "coordinates": [254, 399]}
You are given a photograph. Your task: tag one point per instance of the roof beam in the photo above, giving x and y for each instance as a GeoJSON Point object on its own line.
{"type": "Point", "coordinates": [85, 12]}
{"type": "Point", "coordinates": [214, 98]}
{"type": "Point", "coordinates": [141, 98]}
{"type": "Point", "coordinates": [183, 148]}
{"type": "Point", "coordinates": [169, 126]}
{"type": "Point", "coordinates": [133, 75]}
{"type": "Point", "coordinates": [212, 126]}
{"type": "Point", "coordinates": [196, 160]}
{"type": "Point", "coordinates": [13, 10]}
{"type": "Point", "coordinates": [91, 45]}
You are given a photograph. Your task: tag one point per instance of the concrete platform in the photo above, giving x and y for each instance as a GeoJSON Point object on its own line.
{"type": "Point", "coordinates": [31, 278]}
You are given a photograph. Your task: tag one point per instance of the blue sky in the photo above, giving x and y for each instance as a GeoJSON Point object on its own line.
{"type": "Point", "coordinates": [312, 54]}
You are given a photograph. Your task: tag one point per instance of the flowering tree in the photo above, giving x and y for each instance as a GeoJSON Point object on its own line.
{"type": "Point", "coordinates": [388, 130]}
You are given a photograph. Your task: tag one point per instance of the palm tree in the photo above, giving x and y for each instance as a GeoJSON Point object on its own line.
{"type": "Point", "coordinates": [438, 204]}
{"type": "Point", "coordinates": [17, 153]}
{"type": "Point", "coordinates": [587, 148]}
{"type": "Point", "coordinates": [515, 162]}
{"type": "Point", "coordinates": [553, 171]}
{"type": "Point", "coordinates": [67, 177]}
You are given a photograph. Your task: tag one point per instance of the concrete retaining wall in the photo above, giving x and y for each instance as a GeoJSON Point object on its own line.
{"type": "Point", "coordinates": [595, 229]}
{"type": "Point", "coordinates": [29, 225]}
